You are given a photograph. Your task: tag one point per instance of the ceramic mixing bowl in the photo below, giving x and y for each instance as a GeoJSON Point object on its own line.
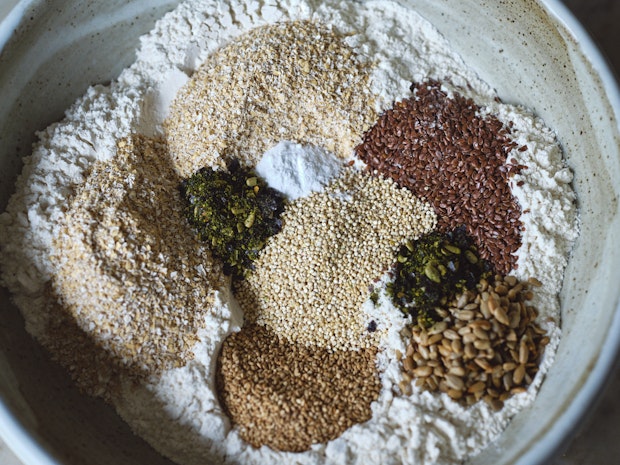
{"type": "Point", "coordinates": [534, 53]}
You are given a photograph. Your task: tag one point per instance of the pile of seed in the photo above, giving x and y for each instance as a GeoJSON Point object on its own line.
{"type": "Point", "coordinates": [312, 278]}
{"type": "Point", "coordinates": [446, 153]}
{"type": "Point", "coordinates": [433, 270]}
{"type": "Point", "coordinates": [150, 283]}
{"type": "Point", "coordinates": [488, 345]}
{"type": "Point", "coordinates": [289, 397]}
{"type": "Point", "coordinates": [294, 81]}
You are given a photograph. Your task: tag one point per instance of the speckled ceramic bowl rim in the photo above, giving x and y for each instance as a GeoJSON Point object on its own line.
{"type": "Point", "coordinates": [12, 432]}
{"type": "Point", "coordinates": [28, 450]}
{"type": "Point", "coordinates": [563, 430]}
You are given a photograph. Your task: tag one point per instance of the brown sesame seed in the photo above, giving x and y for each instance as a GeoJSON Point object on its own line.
{"type": "Point", "coordinates": [288, 396]}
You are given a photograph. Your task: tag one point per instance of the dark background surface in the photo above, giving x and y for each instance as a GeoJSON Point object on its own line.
{"type": "Point", "coordinates": [601, 18]}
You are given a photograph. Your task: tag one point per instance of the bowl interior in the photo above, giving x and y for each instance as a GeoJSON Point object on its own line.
{"type": "Point", "coordinates": [524, 49]}
{"type": "Point", "coordinates": [56, 52]}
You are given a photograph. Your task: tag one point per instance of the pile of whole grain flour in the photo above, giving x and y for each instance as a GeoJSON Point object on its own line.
{"type": "Point", "coordinates": [177, 410]}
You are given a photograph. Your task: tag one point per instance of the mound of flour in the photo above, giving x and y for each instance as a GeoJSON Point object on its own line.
{"type": "Point", "coordinates": [178, 412]}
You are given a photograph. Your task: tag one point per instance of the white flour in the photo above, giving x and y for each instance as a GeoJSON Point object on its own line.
{"type": "Point", "coordinates": [178, 413]}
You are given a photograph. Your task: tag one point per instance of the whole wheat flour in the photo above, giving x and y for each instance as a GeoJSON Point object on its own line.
{"type": "Point", "coordinates": [177, 411]}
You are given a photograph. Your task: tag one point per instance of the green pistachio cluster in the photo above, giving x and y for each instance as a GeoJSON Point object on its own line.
{"type": "Point", "coordinates": [432, 270]}
{"type": "Point", "coordinates": [235, 212]}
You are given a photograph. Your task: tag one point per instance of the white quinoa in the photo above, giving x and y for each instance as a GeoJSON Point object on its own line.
{"type": "Point", "coordinates": [312, 278]}
{"type": "Point", "coordinates": [177, 410]}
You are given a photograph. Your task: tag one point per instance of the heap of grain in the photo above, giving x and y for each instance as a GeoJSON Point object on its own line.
{"type": "Point", "coordinates": [312, 278]}
{"type": "Point", "coordinates": [150, 283]}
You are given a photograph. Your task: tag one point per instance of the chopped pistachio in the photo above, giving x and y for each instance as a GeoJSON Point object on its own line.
{"type": "Point", "coordinates": [235, 212]}
{"type": "Point", "coordinates": [432, 270]}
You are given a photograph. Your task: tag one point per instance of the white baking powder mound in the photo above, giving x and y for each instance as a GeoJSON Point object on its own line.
{"type": "Point", "coordinates": [296, 170]}
{"type": "Point", "coordinates": [178, 412]}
